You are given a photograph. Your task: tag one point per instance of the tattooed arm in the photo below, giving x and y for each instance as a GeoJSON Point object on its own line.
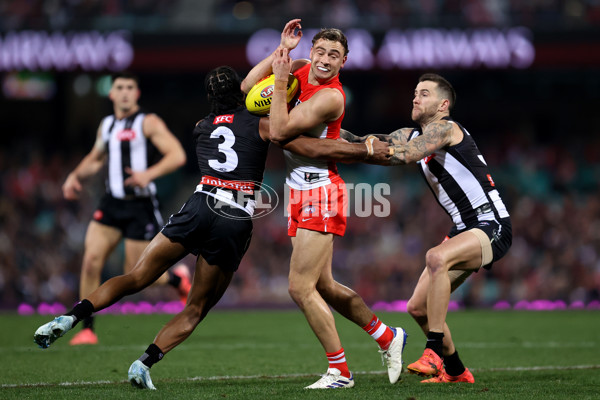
{"type": "Point", "coordinates": [435, 136]}
{"type": "Point", "coordinates": [351, 137]}
{"type": "Point", "coordinates": [399, 136]}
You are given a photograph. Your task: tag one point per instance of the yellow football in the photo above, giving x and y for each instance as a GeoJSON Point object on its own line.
{"type": "Point", "coordinates": [258, 99]}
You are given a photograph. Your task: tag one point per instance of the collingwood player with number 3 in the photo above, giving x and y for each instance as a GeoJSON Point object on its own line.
{"type": "Point", "coordinates": [458, 175]}
{"type": "Point", "coordinates": [215, 223]}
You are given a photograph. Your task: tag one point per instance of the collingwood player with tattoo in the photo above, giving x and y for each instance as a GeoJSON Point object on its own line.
{"type": "Point", "coordinates": [458, 175]}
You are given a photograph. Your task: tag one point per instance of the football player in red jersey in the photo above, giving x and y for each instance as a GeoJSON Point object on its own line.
{"type": "Point", "coordinates": [318, 198]}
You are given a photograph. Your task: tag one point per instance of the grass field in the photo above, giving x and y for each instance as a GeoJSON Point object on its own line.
{"type": "Point", "coordinates": [273, 355]}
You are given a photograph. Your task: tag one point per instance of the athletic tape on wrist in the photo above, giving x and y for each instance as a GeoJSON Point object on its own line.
{"type": "Point", "coordinates": [369, 144]}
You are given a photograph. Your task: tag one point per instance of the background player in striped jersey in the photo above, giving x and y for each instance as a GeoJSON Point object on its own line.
{"type": "Point", "coordinates": [215, 223]}
{"type": "Point", "coordinates": [316, 212]}
{"type": "Point", "coordinates": [136, 148]}
{"type": "Point", "coordinates": [458, 175]}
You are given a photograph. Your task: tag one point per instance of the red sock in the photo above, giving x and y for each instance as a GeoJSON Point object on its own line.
{"type": "Point", "coordinates": [379, 331]}
{"type": "Point", "coordinates": [338, 360]}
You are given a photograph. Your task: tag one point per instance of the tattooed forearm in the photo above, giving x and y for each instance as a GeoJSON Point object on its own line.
{"type": "Point", "coordinates": [382, 137]}
{"type": "Point", "coordinates": [399, 156]}
{"type": "Point", "coordinates": [399, 136]}
{"type": "Point", "coordinates": [436, 136]}
{"type": "Point", "coordinates": [351, 137]}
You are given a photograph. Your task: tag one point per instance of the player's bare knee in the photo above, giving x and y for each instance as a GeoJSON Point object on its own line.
{"type": "Point", "coordinates": [435, 261]}
{"type": "Point", "coordinates": [416, 309]}
{"type": "Point", "coordinates": [92, 264]}
{"type": "Point", "coordinates": [298, 293]}
{"type": "Point", "coordinates": [295, 294]}
{"type": "Point", "coordinates": [138, 279]}
{"type": "Point", "coordinates": [194, 313]}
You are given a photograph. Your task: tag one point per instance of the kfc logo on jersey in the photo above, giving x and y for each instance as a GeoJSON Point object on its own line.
{"type": "Point", "coordinates": [126, 135]}
{"type": "Point", "coordinates": [223, 119]}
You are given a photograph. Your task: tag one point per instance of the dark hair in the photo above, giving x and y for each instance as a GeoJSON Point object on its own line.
{"type": "Point", "coordinates": [125, 75]}
{"type": "Point", "coordinates": [223, 89]}
{"type": "Point", "coordinates": [334, 35]}
{"type": "Point", "coordinates": [445, 88]}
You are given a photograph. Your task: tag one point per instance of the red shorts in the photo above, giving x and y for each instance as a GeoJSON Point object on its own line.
{"type": "Point", "coordinates": [322, 209]}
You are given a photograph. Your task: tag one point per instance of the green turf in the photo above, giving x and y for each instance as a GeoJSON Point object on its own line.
{"type": "Point", "coordinates": [273, 355]}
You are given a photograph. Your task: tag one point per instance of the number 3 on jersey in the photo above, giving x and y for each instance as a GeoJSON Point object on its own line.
{"type": "Point", "coordinates": [231, 157]}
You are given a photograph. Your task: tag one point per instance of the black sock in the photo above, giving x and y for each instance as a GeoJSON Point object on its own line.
{"type": "Point", "coordinates": [88, 323]}
{"type": "Point", "coordinates": [434, 342]}
{"type": "Point", "coordinates": [453, 365]}
{"type": "Point", "coordinates": [82, 310]}
{"type": "Point", "coordinates": [152, 355]}
{"type": "Point", "coordinates": [174, 280]}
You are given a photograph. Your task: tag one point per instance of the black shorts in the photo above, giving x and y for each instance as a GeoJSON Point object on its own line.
{"type": "Point", "coordinates": [220, 240]}
{"type": "Point", "coordinates": [137, 219]}
{"type": "Point", "coordinates": [500, 234]}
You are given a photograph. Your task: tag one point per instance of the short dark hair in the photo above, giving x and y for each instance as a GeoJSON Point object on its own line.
{"type": "Point", "coordinates": [223, 89]}
{"type": "Point", "coordinates": [445, 88]}
{"type": "Point", "coordinates": [124, 75]}
{"type": "Point", "coordinates": [333, 34]}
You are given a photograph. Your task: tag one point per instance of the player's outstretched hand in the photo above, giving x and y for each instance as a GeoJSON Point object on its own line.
{"type": "Point", "coordinates": [289, 36]}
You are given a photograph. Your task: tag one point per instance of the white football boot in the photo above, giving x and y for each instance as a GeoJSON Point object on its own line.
{"type": "Point", "coordinates": [392, 357]}
{"type": "Point", "coordinates": [139, 376]}
{"type": "Point", "coordinates": [333, 379]}
{"type": "Point", "coordinates": [49, 332]}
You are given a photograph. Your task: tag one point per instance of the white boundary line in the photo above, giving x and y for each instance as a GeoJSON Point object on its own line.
{"type": "Point", "coordinates": [246, 377]}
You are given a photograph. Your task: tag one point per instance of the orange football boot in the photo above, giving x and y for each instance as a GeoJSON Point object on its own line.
{"type": "Point", "coordinates": [429, 364]}
{"type": "Point", "coordinates": [466, 377]}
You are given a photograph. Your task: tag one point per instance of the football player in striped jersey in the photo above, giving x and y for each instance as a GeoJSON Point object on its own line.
{"type": "Point", "coordinates": [458, 175]}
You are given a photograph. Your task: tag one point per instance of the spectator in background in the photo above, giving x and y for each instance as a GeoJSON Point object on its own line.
{"type": "Point", "coordinates": [137, 147]}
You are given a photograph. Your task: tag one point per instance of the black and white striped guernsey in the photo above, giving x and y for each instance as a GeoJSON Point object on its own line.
{"type": "Point", "coordinates": [459, 178]}
{"type": "Point", "coordinates": [126, 146]}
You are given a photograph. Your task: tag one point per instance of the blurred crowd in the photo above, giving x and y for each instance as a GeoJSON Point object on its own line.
{"type": "Point", "coordinates": [239, 15]}
{"type": "Point", "coordinates": [551, 190]}
{"type": "Point", "coordinates": [377, 15]}
{"type": "Point", "coordinates": [551, 193]}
